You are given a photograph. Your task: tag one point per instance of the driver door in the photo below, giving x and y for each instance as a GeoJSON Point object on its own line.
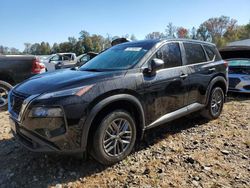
{"type": "Point", "coordinates": [166, 91]}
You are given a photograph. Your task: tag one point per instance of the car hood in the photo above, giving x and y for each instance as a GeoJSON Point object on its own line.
{"type": "Point", "coordinates": [63, 79]}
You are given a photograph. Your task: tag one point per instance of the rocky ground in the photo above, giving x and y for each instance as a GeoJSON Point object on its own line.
{"type": "Point", "coordinates": [189, 152]}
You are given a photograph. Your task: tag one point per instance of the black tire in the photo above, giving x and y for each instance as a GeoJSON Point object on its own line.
{"type": "Point", "coordinates": [209, 112]}
{"type": "Point", "coordinates": [99, 150]}
{"type": "Point", "coordinates": [4, 90]}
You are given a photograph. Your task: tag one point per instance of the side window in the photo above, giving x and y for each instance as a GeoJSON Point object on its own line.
{"type": "Point", "coordinates": [66, 58]}
{"type": "Point", "coordinates": [85, 58]}
{"type": "Point", "coordinates": [194, 53]}
{"type": "Point", "coordinates": [217, 56]}
{"type": "Point", "coordinates": [210, 53]}
{"type": "Point", "coordinates": [171, 55]}
{"type": "Point", "coordinates": [56, 58]}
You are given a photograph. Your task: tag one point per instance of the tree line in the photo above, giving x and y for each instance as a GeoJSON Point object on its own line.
{"type": "Point", "coordinates": [219, 30]}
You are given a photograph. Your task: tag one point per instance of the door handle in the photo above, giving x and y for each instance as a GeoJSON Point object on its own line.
{"type": "Point", "coordinates": [211, 69]}
{"type": "Point", "coordinates": [183, 76]}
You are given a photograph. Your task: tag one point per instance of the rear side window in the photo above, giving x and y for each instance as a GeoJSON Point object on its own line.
{"type": "Point", "coordinates": [212, 53]}
{"type": "Point", "coordinates": [67, 56]}
{"type": "Point", "coordinates": [171, 55]}
{"type": "Point", "coordinates": [194, 53]}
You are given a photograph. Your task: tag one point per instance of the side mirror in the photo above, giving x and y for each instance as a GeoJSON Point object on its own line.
{"type": "Point", "coordinates": [153, 66]}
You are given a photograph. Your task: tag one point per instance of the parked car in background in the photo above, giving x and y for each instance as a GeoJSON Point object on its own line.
{"type": "Point", "coordinates": [60, 61]}
{"type": "Point", "coordinates": [15, 69]}
{"type": "Point", "coordinates": [238, 58]}
{"type": "Point", "coordinates": [84, 58]}
{"type": "Point", "coordinates": [106, 105]}
{"type": "Point", "coordinates": [119, 41]}
{"type": "Point", "coordinates": [43, 58]}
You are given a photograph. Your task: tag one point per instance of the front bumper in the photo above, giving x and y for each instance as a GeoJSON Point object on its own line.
{"type": "Point", "coordinates": [30, 140]}
{"type": "Point", "coordinates": [238, 84]}
{"type": "Point", "coordinates": [36, 143]}
{"type": "Point", "coordinates": [49, 134]}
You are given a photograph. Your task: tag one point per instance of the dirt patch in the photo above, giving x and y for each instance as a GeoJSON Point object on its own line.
{"type": "Point", "coordinates": [189, 152]}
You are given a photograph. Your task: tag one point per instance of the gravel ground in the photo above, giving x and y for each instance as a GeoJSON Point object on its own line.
{"type": "Point", "coordinates": [189, 152]}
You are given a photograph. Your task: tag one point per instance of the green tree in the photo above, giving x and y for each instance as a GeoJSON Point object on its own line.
{"type": "Point", "coordinates": [44, 48]}
{"type": "Point", "coordinates": [55, 48]}
{"type": "Point", "coordinates": [79, 48]}
{"type": "Point", "coordinates": [203, 33]}
{"type": "Point", "coordinates": [97, 41]}
{"type": "Point", "coordinates": [35, 49]}
{"type": "Point", "coordinates": [193, 34]}
{"type": "Point", "coordinates": [133, 38]}
{"type": "Point", "coordinates": [155, 35]}
{"type": "Point", "coordinates": [27, 48]}
{"type": "Point", "coordinates": [65, 47]}
{"type": "Point", "coordinates": [170, 31]}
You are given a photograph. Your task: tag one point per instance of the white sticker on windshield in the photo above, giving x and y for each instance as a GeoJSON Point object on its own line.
{"type": "Point", "coordinates": [133, 49]}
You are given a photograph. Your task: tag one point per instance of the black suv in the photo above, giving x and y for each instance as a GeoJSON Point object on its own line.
{"type": "Point", "coordinates": [106, 105]}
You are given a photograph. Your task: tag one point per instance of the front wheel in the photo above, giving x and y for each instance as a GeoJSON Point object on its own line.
{"type": "Point", "coordinates": [115, 137]}
{"type": "Point", "coordinates": [4, 90]}
{"type": "Point", "coordinates": [215, 104]}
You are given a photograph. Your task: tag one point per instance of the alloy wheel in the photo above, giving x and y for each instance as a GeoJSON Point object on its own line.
{"type": "Point", "coordinates": [117, 137]}
{"type": "Point", "coordinates": [216, 101]}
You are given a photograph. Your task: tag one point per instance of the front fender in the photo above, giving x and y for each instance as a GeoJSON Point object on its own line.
{"type": "Point", "coordinates": [100, 105]}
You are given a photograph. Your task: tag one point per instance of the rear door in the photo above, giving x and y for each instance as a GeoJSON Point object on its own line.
{"type": "Point", "coordinates": [167, 90]}
{"type": "Point", "coordinates": [200, 71]}
{"type": "Point", "coordinates": [68, 60]}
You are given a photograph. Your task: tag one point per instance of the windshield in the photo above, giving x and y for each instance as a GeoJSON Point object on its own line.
{"type": "Point", "coordinates": [120, 57]}
{"type": "Point", "coordinates": [43, 57]}
{"type": "Point", "coordinates": [239, 62]}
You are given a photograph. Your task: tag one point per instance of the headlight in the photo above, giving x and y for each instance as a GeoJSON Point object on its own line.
{"type": "Point", "coordinates": [245, 77]}
{"type": "Point", "coordinates": [43, 112]}
{"type": "Point", "coordinates": [79, 91]}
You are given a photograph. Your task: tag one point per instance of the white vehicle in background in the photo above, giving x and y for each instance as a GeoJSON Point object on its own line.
{"type": "Point", "coordinates": [59, 61]}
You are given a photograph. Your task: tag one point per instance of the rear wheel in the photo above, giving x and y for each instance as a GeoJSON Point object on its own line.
{"type": "Point", "coordinates": [4, 90]}
{"type": "Point", "coordinates": [115, 137]}
{"type": "Point", "coordinates": [215, 104]}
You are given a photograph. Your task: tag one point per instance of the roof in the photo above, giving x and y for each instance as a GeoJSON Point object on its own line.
{"type": "Point", "coordinates": [189, 40]}
{"type": "Point", "coordinates": [148, 41]}
{"type": "Point", "coordinates": [245, 42]}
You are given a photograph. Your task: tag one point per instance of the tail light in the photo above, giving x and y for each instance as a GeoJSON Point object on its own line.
{"type": "Point", "coordinates": [226, 64]}
{"type": "Point", "coordinates": [37, 66]}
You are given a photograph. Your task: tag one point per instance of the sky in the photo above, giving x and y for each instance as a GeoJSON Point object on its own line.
{"type": "Point", "coordinates": [55, 20]}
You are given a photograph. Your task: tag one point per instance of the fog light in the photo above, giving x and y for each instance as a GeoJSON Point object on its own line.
{"type": "Point", "coordinates": [43, 112]}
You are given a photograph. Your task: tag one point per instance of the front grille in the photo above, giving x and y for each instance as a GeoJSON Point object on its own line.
{"type": "Point", "coordinates": [16, 102]}
{"type": "Point", "coordinates": [233, 82]}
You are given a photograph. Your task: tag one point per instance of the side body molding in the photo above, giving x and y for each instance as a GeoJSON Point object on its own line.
{"type": "Point", "coordinates": [99, 106]}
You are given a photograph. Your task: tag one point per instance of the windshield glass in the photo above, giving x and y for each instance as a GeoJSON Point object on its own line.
{"type": "Point", "coordinates": [239, 62]}
{"type": "Point", "coordinates": [120, 57]}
